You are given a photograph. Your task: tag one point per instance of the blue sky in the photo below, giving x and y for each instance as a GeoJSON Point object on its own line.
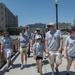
{"type": "Point", "coordinates": [41, 11]}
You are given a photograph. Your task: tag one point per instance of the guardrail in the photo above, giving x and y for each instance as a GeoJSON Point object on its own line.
{"type": "Point", "coordinates": [2, 55]}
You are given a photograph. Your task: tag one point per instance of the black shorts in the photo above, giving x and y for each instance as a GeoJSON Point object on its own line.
{"type": "Point", "coordinates": [37, 58]}
{"type": "Point", "coordinates": [71, 57]}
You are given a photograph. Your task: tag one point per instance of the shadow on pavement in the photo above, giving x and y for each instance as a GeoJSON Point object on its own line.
{"type": "Point", "coordinates": [64, 73]}
{"type": "Point", "coordinates": [15, 66]}
{"type": "Point", "coordinates": [30, 65]}
{"type": "Point", "coordinates": [61, 73]}
{"type": "Point", "coordinates": [49, 73]}
{"type": "Point", "coordinates": [2, 72]}
{"type": "Point", "coordinates": [46, 62]}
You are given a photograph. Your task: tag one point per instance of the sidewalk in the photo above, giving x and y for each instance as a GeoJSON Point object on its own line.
{"type": "Point", "coordinates": [31, 68]}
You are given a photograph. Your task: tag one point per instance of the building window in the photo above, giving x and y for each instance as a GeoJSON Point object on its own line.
{"type": "Point", "coordinates": [1, 18]}
{"type": "Point", "coordinates": [1, 7]}
{"type": "Point", "coordinates": [1, 12]}
{"type": "Point", "coordinates": [5, 10]}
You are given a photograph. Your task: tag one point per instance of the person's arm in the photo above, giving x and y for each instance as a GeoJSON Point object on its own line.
{"type": "Point", "coordinates": [1, 48]}
{"type": "Point", "coordinates": [34, 51]}
{"type": "Point", "coordinates": [18, 45]}
{"type": "Point", "coordinates": [61, 43]}
{"type": "Point", "coordinates": [65, 49]}
{"type": "Point", "coordinates": [46, 46]}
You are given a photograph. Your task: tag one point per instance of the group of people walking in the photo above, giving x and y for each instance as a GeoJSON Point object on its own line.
{"type": "Point", "coordinates": [50, 43]}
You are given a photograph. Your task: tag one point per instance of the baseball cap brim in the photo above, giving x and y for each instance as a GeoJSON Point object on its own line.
{"type": "Point", "coordinates": [38, 29]}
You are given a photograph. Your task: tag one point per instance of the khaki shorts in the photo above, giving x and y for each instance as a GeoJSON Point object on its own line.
{"type": "Point", "coordinates": [23, 49]}
{"type": "Point", "coordinates": [55, 57]}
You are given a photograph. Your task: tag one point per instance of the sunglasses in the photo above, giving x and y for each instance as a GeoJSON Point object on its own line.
{"type": "Point", "coordinates": [50, 26]}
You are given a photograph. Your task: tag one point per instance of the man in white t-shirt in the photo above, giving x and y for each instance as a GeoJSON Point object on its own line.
{"type": "Point", "coordinates": [53, 44]}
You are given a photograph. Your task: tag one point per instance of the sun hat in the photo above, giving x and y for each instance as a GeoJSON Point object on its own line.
{"type": "Point", "coordinates": [5, 32]}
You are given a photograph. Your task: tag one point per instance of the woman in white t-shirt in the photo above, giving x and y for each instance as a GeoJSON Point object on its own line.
{"type": "Point", "coordinates": [69, 49]}
{"type": "Point", "coordinates": [6, 45]}
{"type": "Point", "coordinates": [22, 47]}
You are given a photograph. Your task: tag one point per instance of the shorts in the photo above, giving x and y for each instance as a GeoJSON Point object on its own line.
{"type": "Point", "coordinates": [23, 49]}
{"type": "Point", "coordinates": [37, 58]}
{"type": "Point", "coordinates": [8, 53]}
{"type": "Point", "coordinates": [70, 57]}
{"type": "Point", "coordinates": [55, 57]}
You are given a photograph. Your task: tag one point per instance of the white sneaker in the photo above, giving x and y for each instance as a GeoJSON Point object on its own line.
{"type": "Point", "coordinates": [22, 66]}
{"type": "Point", "coordinates": [25, 65]}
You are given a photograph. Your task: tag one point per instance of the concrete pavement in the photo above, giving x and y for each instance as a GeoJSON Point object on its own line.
{"type": "Point", "coordinates": [31, 68]}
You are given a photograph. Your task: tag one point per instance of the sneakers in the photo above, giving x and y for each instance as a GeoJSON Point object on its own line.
{"type": "Point", "coordinates": [57, 71]}
{"type": "Point", "coordinates": [25, 65]}
{"type": "Point", "coordinates": [67, 73]}
{"type": "Point", "coordinates": [38, 70]}
{"type": "Point", "coordinates": [22, 66]}
{"type": "Point", "coordinates": [41, 74]}
{"type": "Point", "coordinates": [7, 69]}
{"type": "Point", "coordinates": [52, 73]}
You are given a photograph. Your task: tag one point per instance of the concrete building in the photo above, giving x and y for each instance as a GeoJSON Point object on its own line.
{"type": "Point", "coordinates": [64, 26]}
{"type": "Point", "coordinates": [37, 25]}
{"type": "Point", "coordinates": [7, 18]}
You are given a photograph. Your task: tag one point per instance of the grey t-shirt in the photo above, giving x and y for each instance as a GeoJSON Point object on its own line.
{"type": "Point", "coordinates": [53, 38]}
{"type": "Point", "coordinates": [7, 42]}
{"type": "Point", "coordinates": [23, 40]}
{"type": "Point", "coordinates": [38, 49]}
{"type": "Point", "coordinates": [70, 43]}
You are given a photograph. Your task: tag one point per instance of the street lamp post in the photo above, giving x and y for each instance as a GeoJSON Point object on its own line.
{"type": "Point", "coordinates": [56, 4]}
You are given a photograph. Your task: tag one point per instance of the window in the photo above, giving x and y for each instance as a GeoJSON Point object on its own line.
{"type": "Point", "coordinates": [1, 18]}
{"type": "Point", "coordinates": [1, 7]}
{"type": "Point", "coordinates": [1, 12]}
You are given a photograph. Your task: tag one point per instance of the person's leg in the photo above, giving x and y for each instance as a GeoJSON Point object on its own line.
{"type": "Point", "coordinates": [51, 58]}
{"type": "Point", "coordinates": [52, 67]}
{"type": "Point", "coordinates": [58, 61]}
{"type": "Point", "coordinates": [74, 63]}
{"type": "Point", "coordinates": [8, 56]}
{"type": "Point", "coordinates": [22, 60]}
{"type": "Point", "coordinates": [29, 50]}
{"type": "Point", "coordinates": [37, 64]}
{"type": "Point", "coordinates": [40, 65]}
{"type": "Point", "coordinates": [69, 63]}
{"type": "Point", "coordinates": [25, 58]}
{"type": "Point", "coordinates": [8, 62]}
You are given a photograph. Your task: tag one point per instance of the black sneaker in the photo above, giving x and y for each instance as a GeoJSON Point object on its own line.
{"type": "Point", "coordinates": [7, 69]}
{"type": "Point", "coordinates": [41, 73]}
{"type": "Point", "coordinates": [38, 70]}
{"type": "Point", "coordinates": [67, 73]}
{"type": "Point", "coordinates": [57, 71]}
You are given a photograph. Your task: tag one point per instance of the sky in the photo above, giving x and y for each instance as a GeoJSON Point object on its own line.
{"type": "Point", "coordinates": [41, 11]}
